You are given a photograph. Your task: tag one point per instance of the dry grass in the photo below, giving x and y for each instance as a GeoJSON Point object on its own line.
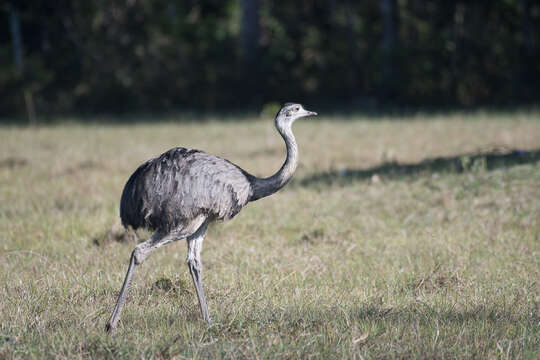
{"type": "Point", "coordinates": [392, 265]}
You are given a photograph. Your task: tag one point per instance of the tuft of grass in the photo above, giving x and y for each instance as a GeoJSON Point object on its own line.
{"type": "Point", "coordinates": [115, 233]}
{"type": "Point", "coordinates": [416, 238]}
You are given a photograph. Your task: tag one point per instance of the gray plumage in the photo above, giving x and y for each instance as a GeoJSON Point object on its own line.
{"type": "Point", "coordinates": [178, 193]}
{"type": "Point", "coordinates": [179, 185]}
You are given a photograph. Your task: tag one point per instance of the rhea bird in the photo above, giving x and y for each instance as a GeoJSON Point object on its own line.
{"type": "Point", "coordinates": [177, 194]}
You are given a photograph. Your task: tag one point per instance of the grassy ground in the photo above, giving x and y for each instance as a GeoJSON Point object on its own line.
{"type": "Point", "coordinates": [362, 256]}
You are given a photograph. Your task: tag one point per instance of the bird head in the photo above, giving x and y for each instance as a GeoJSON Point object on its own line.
{"type": "Point", "coordinates": [290, 112]}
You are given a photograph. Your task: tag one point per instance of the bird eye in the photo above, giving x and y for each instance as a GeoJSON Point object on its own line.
{"type": "Point", "coordinates": [296, 108]}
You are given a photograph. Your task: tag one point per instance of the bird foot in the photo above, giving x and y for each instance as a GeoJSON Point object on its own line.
{"type": "Point", "coordinates": [213, 324]}
{"type": "Point", "coordinates": [110, 329]}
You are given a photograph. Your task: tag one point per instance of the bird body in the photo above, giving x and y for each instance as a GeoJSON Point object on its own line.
{"type": "Point", "coordinates": [178, 193]}
{"type": "Point", "coordinates": [179, 185]}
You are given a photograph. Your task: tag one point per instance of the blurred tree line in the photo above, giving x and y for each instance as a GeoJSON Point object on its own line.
{"type": "Point", "coordinates": [139, 55]}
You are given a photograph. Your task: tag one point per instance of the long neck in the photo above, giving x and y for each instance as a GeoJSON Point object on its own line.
{"type": "Point", "coordinates": [268, 186]}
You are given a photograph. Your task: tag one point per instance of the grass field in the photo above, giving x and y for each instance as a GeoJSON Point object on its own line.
{"type": "Point", "coordinates": [375, 250]}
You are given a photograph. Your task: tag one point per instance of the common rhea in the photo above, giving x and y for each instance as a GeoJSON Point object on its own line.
{"type": "Point", "coordinates": [177, 194]}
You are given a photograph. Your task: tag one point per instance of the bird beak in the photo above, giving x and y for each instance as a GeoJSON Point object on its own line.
{"type": "Point", "coordinates": [310, 113]}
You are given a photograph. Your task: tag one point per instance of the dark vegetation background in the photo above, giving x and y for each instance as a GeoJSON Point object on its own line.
{"type": "Point", "coordinates": [117, 56]}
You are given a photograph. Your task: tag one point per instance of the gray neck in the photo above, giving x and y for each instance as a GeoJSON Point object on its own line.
{"type": "Point", "coordinates": [267, 186]}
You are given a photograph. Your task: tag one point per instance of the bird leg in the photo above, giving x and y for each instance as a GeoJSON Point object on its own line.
{"type": "Point", "coordinates": [139, 254]}
{"type": "Point", "coordinates": [194, 262]}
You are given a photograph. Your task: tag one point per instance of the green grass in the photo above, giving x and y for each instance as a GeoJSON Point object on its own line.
{"type": "Point", "coordinates": [431, 263]}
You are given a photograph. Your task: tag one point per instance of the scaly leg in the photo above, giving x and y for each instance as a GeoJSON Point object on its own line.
{"type": "Point", "coordinates": [139, 254]}
{"type": "Point", "coordinates": [194, 262]}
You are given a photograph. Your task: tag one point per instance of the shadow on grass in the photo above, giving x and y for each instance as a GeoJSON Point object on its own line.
{"type": "Point", "coordinates": [455, 164]}
{"type": "Point", "coordinates": [489, 313]}
{"type": "Point", "coordinates": [316, 318]}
